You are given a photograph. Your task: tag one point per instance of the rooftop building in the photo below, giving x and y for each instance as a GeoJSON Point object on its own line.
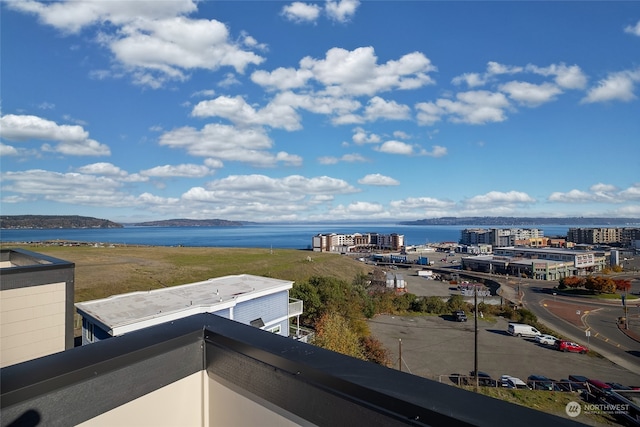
{"type": "Point", "coordinates": [253, 300]}
{"type": "Point", "coordinates": [36, 305]}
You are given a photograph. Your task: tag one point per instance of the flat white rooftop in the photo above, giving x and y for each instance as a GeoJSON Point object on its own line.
{"type": "Point", "coordinates": [119, 313]}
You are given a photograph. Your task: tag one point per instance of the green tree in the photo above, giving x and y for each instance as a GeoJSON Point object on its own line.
{"type": "Point", "coordinates": [456, 302]}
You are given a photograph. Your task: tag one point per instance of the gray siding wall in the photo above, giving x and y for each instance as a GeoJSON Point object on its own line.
{"type": "Point", "coordinates": [269, 308]}
{"type": "Point", "coordinates": [223, 313]}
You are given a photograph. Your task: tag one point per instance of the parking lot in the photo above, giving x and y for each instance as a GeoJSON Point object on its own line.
{"type": "Point", "coordinates": [436, 347]}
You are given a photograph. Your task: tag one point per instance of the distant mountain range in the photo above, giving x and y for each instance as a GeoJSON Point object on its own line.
{"type": "Point", "coordinates": [75, 221]}
{"type": "Point", "coordinates": [506, 221]}
{"type": "Point", "coordinates": [54, 221]}
{"type": "Point", "coordinates": [189, 223]}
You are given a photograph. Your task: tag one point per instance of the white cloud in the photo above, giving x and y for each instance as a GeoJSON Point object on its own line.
{"type": "Point", "coordinates": [112, 171]}
{"type": "Point", "coordinates": [342, 10]}
{"type": "Point", "coordinates": [531, 94]}
{"type": "Point", "coordinates": [72, 16]}
{"type": "Point", "coordinates": [618, 86]}
{"type": "Point", "coordinates": [429, 203]}
{"type": "Point", "coordinates": [361, 136]}
{"type": "Point", "coordinates": [633, 29]}
{"type": "Point", "coordinates": [599, 193]}
{"type": "Point", "coordinates": [471, 80]}
{"type": "Point", "coordinates": [499, 198]}
{"type": "Point", "coordinates": [357, 72]}
{"type": "Point", "coordinates": [379, 108]}
{"type": "Point", "coordinates": [358, 210]}
{"type": "Point", "coordinates": [7, 150]}
{"type": "Point", "coordinates": [301, 12]}
{"type": "Point", "coordinates": [396, 147]}
{"type": "Point", "coordinates": [282, 78]}
{"type": "Point", "coordinates": [249, 188]}
{"type": "Point", "coordinates": [437, 151]}
{"type": "Point", "coordinates": [68, 188]}
{"type": "Point", "coordinates": [378, 180]}
{"type": "Point", "coordinates": [495, 68]}
{"type": "Point", "coordinates": [227, 143]}
{"type": "Point", "coordinates": [347, 158]}
{"type": "Point", "coordinates": [567, 77]}
{"type": "Point", "coordinates": [236, 110]}
{"type": "Point", "coordinates": [184, 171]}
{"type": "Point", "coordinates": [152, 41]}
{"type": "Point", "coordinates": [473, 107]}
{"type": "Point", "coordinates": [71, 139]}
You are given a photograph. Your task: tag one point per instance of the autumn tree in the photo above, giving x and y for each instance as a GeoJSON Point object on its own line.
{"type": "Point", "coordinates": [333, 333]}
{"type": "Point", "coordinates": [622, 285]}
{"type": "Point", "coordinates": [572, 282]}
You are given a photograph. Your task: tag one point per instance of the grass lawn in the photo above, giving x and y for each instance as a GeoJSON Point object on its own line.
{"type": "Point", "coordinates": [104, 271]}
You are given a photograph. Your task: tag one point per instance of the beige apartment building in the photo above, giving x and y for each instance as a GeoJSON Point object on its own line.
{"type": "Point", "coordinates": [36, 305]}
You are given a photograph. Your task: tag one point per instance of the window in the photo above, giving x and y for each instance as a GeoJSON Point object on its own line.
{"type": "Point", "coordinates": [276, 329]}
{"type": "Point", "coordinates": [89, 331]}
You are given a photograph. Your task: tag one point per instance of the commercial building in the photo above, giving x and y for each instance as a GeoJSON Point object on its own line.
{"type": "Point", "coordinates": [345, 243]}
{"type": "Point", "coordinates": [36, 305]}
{"type": "Point", "coordinates": [253, 300]}
{"type": "Point", "coordinates": [206, 370]}
{"type": "Point", "coordinates": [538, 263]}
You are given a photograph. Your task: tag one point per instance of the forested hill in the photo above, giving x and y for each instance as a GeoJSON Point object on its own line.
{"type": "Point", "coordinates": [54, 221]}
{"type": "Point", "coordinates": [505, 221]}
{"type": "Point", "coordinates": [188, 223]}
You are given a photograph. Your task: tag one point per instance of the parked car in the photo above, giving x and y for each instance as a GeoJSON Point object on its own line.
{"type": "Point", "coordinates": [460, 316]}
{"type": "Point", "coordinates": [568, 385]}
{"type": "Point", "coordinates": [563, 345]}
{"type": "Point", "coordinates": [513, 382]}
{"type": "Point", "coordinates": [484, 379]}
{"type": "Point", "coordinates": [540, 382]}
{"type": "Point", "coordinates": [579, 379]}
{"type": "Point", "coordinates": [522, 330]}
{"type": "Point", "coordinates": [618, 386]}
{"type": "Point", "coordinates": [546, 339]}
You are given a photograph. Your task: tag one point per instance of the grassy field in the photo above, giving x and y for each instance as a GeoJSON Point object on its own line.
{"type": "Point", "coordinates": [551, 402]}
{"type": "Point", "coordinates": [104, 271]}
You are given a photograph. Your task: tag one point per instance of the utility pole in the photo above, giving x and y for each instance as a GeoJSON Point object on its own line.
{"type": "Point", "coordinates": [475, 321]}
{"type": "Point", "coordinates": [400, 352]}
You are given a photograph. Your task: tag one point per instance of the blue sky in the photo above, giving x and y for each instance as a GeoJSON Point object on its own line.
{"type": "Point", "coordinates": [305, 111]}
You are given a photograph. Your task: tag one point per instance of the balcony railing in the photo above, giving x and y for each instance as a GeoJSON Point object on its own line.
{"type": "Point", "coordinates": [301, 333]}
{"type": "Point", "coordinates": [296, 307]}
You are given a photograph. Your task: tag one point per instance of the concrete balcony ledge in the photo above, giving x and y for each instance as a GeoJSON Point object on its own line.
{"type": "Point", "coordinates": [205, 370]}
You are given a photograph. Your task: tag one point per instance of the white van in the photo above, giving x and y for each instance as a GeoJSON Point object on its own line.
{"type": "Point", "coordinates": [522, 330]}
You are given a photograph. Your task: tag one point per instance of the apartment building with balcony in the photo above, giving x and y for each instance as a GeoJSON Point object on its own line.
{"type": "Point", "coordinates": [252, 300]}
{"type": "Point", "coordinates": [345, 243]}
{"type": "Point", "coordinates": [499, 236]}
{"type": "Point", "coordinates": [36, 305]}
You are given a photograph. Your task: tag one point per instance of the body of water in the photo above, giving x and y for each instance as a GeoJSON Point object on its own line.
{"type": "Point", "coordinates": [291, 236]}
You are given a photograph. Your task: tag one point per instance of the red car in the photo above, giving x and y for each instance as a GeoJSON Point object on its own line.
{"type": "Point", "coordinates": [563, 345]}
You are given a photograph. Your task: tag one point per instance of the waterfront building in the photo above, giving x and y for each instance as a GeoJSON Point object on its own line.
{"type": "Point", "coordinates": [499, 236]}
{"type": "Point", "coordinates": [261, 302]}
{"type": "Point", "coordinates": [36, 304]}
{"type": "Point", "coordinates": [345, 243]}
{"type": "Point", "coordinates": [538, 263]}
